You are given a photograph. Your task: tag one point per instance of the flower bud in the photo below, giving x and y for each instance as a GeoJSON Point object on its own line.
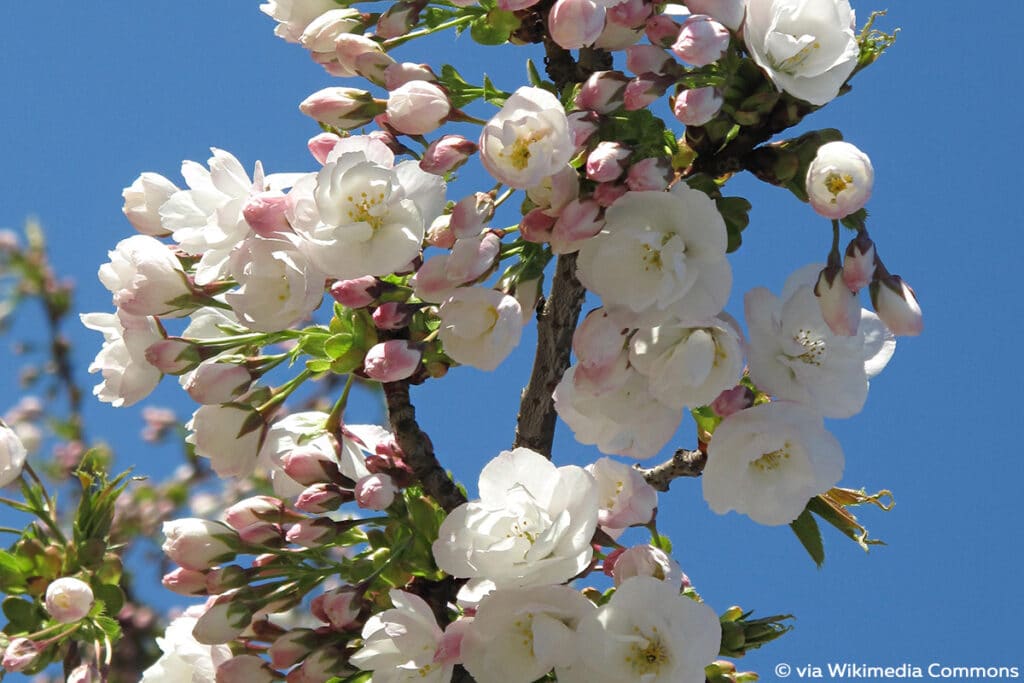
{"type": "Point", "coordinates": [265, 213]}
{"type": "Point", "coordinates": [578, 220]}
{"type": "Point", "coordinates": [839, 306]}
{"type": "Point", "coordinates": [320, 34]}
{"type": "Point", "coordinates": [701, 40]}
{"type": "Point", "coordinates": [575, 23]}
{"type": "Point", "coordinates": [245, 669]}
{"type": "Point", "coordinates": [398, 20]}
{"type": "Point", "coordinates": [440, 234]}
{"type": "Point", "coordinates": [392, 360]}
{"type": "Point", "coordinates": [859, 263]}
{"type": "Point", "coordinates": [375, 492]}
{"type": "Point", "coordinates": [536, 226]}
{"type": "Point", "coordinates": [732, 401]}
{"type": "Point", "coordinates": [359, 292]}
{"type": "Point", "coordinates": [340, 608]}
{"type": "Point", "coordinates": [185, 581]}
{"type": "Point", "coordinates": [309, 466]}
{"type": "Point", "coordinates": [647, 59]}
{"type": "Point", "coordinates": [197, 543]}
{"type": "Point", "coordinates": [373, 66]}
{"type": "Point", "coordinates": [142, 202]}
{"type": "Point", "coordinates": [728, 12]}
{"type": "Point", "coordinates": [602, 92]}
{"type": "Point", "coordinates": [393, 315]}
{"type": "Point", "coordinates": [630, 13]}
{"type": "Point", "coordinates": [512, 5]}
{"type": "Point", "coordinates": [262, 533]}
{"type": "Point", "coordinates": [447, 154]}
{"type": "Point", "coordinates": [349, 48]}
{"type": "Point", "coordinates": [607, 194]}
{"type": "Point", "coordinates": [20, 654]}
{"type": "Point", "coordinates": [896, 304]}
{"type": "Point", "coordinates": [224, 620]}
{"type": "Point", "coordinates": [213, 383]}
{"type": "Point", "coordinates": [290, 647]}
{"type": "Point", "coordinates": [470, 215]}
{"type": "Point", "coordinates": [310, 533]}
{"type": "Point", "coordinates": [582, 125]}
{"type": "Point", "coordinates": [321, 145]}
{"type": "Point", "coordinates": [616, 37]}
{"type": "Point", "coordinates": [402, 73]}
{"type": "Point", "coordinates": [256, 509]}
{"type": "Point", "coordinates": [320, 498]}
{"type": "Point", "coordinates": [649, 175]}
{"type": "Point", "coordinates": [697, 106]}
{"type": "Point", "coordinates": [222, 579]}
{"type": "Point", "coordinates": [661, 30]}
{"type": "Point", "coordinates": [644, 90]}
{"type": "Point", "coordinates": [471, 258]}
{"type": "Point", "coordinates": [68, 599]}
{"type": "Point", "coordinates": [646, 560]}
{"type": "Point", "coordinates": [839, 180]}
{"type": "Point", "coordinates": [343, 108]}
{"type": "Point", "coordinates": [607, 162]}
{"type": "Point", "coordinates": [417, 107]}
{"type": "Point", "coordinates": [173, 356]}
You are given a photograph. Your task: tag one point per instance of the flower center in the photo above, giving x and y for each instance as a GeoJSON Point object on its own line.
{"type": "Point", "coordinates": [836, 183]}
{"type": "Point", "coordinates": [519, 157]}
{"type": "Point", "coordinates": [814, 347]}
{"type": "Point", "coordinates": [771, 461]}
{"type": "Point", "coordinates": [365, 209]}
{"type": "Point", "coordinates": [649, 654]}
{"type": "Point", "coordinates": [524, 630]}
{"type": "Point", "coordinates": [790, 64]}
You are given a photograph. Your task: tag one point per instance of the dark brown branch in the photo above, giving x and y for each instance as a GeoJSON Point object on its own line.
{"type": "Point", "coordinates": [417, 448]}
{"type": "Point", "coordinates": [556, 323]}
{"type": "Point", "coordinates": [684, 463]}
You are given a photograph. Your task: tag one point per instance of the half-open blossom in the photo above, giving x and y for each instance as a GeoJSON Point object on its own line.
{"type": "Point", "coordinates": [229, 435]}
{"type": "Point", "coordinates": [68, 599]}
{"type": "Point", "coordinates": [127, 375]}
{"type": "Point", "coordinates": [531, 526]}
{"type": "Point", "coordinates": [625, 497]}
{"type": "Point", "coordinates": [520, 634]}
{"type": "Point", "coordinates": [794, 355]}
{"type": "Point", "coordinates": [660, 254]}
{"type": "Point", "coordinates": [417, 107]}
{"type": "Point", "coordinates": [293, 16]}
{"type": "Point", "coordinates": [839, 180]}
{"type": "Point", "coordinates": [198, 544]}
{"type": "Point", "coordinates": [528, 140]}
{"type": "Point", "coordinates": [646, 632]}
{"type": "Point", "coordinates": [807, 47]}
{"type": "Point", "coordinates": [12, 455]}
{"type": "Point", "coordinates": [146, 278]}
{"type": "Point", "coordinates": [362, 214]}
{"type": "Point", "coordinates": [142, 202]}
{"type": "Point", "coordinates": [480, 326]}
{"type": "Point", "coordinates": [766, 462]}
{"type": "Point", "coordinates": [646, 560]}
{"type": "Point", "coordinates": [403, 639]}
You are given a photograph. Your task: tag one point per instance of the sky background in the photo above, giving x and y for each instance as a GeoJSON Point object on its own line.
{"type": "Point", "coordinates": [94, 97]}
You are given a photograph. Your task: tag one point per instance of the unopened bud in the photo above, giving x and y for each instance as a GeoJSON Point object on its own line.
{"type": "Point", "coordinates": [320, 498]}
{"type": "Point", "coordinates": [245, 669]}
{"type": "Point", "coordinates": [417, 107]}
{"type": "Point", "coordinates": [649, 175]}
{"type": "Point", "coordinates": [68, 599]}
{"type": "Point", "coordinates": [185, 581]}
{"type": "Point", "coordinates": [701, 41]}
{"type": "Point", "coordinates": [340, 608]}
{"type": "Point", "coordinates": [630, 13]}
{"type": "Point", "coordinates": [607, 162]}
{"type": "Point", "coordinates": [839, 306]}
{"type": "Point", "coordinates": [602, 92]}
{"type": "Point", "coordinates": [356, 293]}
{"type": "Point", "coordinates": [732, 401]}
{"type": "Point", "coordinates": [661, 30]}
{"type": "Point", "coordinates": [647, 59]}
{"type": "Point", "coordinates": [859, 262]}
{"type": "Point", "coordinates": [343, 108]}
{"type": "Point", "coordinates": [447, 154]}
{"type": "Point", "coordinates": [173, 356]}
{"type": "Point", "coordinates": [697, 106]}
{"type": "Point", "coordinates": [224, 620]}
{"type": "Point", "coordinates": [470, 214]}
{"type": "Point", "coordinates": [375, 492]}
{"type": "Point", "coordinates": [576, 23]}
{"type": "Point", "coordinates": [392, 360]}
{"type": "Point", "coordinates": [896, 304]}
{"type": "Point", "coordinates": [265, 213]}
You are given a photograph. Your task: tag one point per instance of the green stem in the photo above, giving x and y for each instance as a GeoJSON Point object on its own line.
{"type": "Point", "coordinates": [284, 391]}
{"type": "Point", "coordinates": [504, 196]}
{"type": "Point", "coordinates": [338, 410]}
{"type": "Point", "coordinates": [401, 40]}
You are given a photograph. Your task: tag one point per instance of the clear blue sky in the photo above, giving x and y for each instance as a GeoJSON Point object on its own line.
{"type": "Point", "coordinates": [93, 96]}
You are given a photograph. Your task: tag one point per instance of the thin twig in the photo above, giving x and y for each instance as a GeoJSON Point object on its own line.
{"type": "Point", "coordinates": [684, 463]}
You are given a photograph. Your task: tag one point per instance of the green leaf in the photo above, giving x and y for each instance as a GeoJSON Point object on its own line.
{"type": "Point", "coordinates": [736, 213]}
{"type": "Point", "coordinates": [24, 616]}
{"type": "Point", "coordinates": [12, 571]}
{"type": "Point", "coordinates": [494, 28]}
{"type": "Point", "coordinates": [338, 345]}
{"type": "Point", "coordinates": [318, 365]}
{"type": "Point", "coordinates": [806, 529]}
{"type": "Point", "coordinates": [111, 596]}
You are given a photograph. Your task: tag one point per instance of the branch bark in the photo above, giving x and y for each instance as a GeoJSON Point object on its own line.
{"type": "Point", "coordinates": [556, 322]}
{"type": "Point", "coordinates": [683, 463]}
{"type": "Point", "coordinates": [418, 449]}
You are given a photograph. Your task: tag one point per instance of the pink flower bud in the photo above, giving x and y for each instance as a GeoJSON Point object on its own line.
{"type": "Point", "coordinates": [308, 466]}
{"type": "Point", "coordinates": [223, 621]}
{"type": "Point", "coordinates": [536, 226]}
{"type": "Point", "coordinates": [290, 647]}
{"type": "Point", "coordinates": [185, 582]}
{"type": "Point", "coordinates": [245, 669]}
{"type": "Point", "coordinates": [310, 533]}
{"type": "Point", "coordinates": [84, 673]}
{"type": "Point", "coordinates": [68, 599]}
{"type": "Point", "coordinates": [402, 73]}
{"type": "Point", "coordinates": [728, 12]}
{"type": "Point", "coordinates": [896, 304]}
{"type": "Point", "coordinates": [732, 401]}
{"type": "Point", "coordinates": [417, 107]}
{"type": "Point", "coordinates": [602, 92]}
{"type": "Point", "coordinates": [373, 66]}
{"type": "Point", "coordinates": [447, 154]}
{"type": "Point", "coordinates": [262, 533]}
{"type": "Point", "coordinates": [173, 356]}
{"type": "Point", "coordinates": [630, 13]}
{"type": "Point", "coordinates": [340, 608]}
{"type": "Point", "coordinates": [697, 106]}
{"type": "Point", "coordinates": [321, 145]}
{"type": "Point", "coordinates": [579, 220]}
{"type": "Point", "coordinates": [265, 213]}
{"type": "Point", "coordinates": [20, 654]}
{"type": "Point", "coordinates": [582, 125]}
{"type": "Point", "coordinates": [647, 59]}
{"type": "Point", "coordinates": [649, 175]}
{"type": "Point", "coordinates": [662, 30]}
{"type": "Point", "coordinates": [471, 258]}
{"type": "Point", "coordinates": [607, 162]}
{"type": "Point", "coordinates": [644, 90]}
{"type": "Point", "coordinates": [515, 5]}
{"type": "Point", "coordinates": [349, 47]}
{"type": "Point", "coordinates": [598, 340]}
{"type": "Point", "coordinates": [470, 215]}
{"type": "Point", "coordinates": [398, 20]}
{"type": "Point", "coordinates": [839, 306]}
{"type": "Point", "coordinates": [343, 108]}
{"type": "Point", "coordinates": [607, 194]}
{"type": "Point", "coordinates": [616, 37]}
{"type": "Point", "coordinates": [440, 234]}
{"type": "Point", "coordinates": [701, 41]}
{"type": "Point", "coordinates": [375, 492]}
{"type": "Point", "coordinates": [392, 360]}
{"type": "Point", "coordinates": [646, 560]}
{"type": "Point", "coordinates": [575, 23]}
{"type": "Point", "coordinates": [393, 315]}
{"type": "Point", "coordinates": [198, 544]}
{"type": "Point", "coordinates": [212, 383]}
{"type": "Point", "coordinates": [255, 509]}
{"type": "Point", "coordinates": [356, 293]}
{"type": "Point", "coordinates": [859, 263]}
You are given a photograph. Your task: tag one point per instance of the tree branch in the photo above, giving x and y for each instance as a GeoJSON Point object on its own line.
{"type": "Point", "coordinates": [556, 322]}
{"type": "Point", "coordinates": [684, 463]}
{"type": "Point", "coordinates": [417, 448]}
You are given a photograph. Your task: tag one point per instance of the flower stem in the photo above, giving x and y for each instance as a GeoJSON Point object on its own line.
{"type": "Point", "coordinates": [401, 40]}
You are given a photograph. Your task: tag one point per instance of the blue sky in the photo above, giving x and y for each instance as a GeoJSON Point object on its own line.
{"type": "Point", "coordinates": [94, 97]}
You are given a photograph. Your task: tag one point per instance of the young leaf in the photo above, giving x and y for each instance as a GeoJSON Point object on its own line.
{"type": "Point", "coordinates": [806, 529]}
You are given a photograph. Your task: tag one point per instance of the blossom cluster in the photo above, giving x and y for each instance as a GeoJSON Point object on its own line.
{"type": "Point", "coordinates": [373, 264]}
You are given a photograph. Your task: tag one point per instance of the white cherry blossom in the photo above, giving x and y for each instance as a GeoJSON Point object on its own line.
{"type": "Point", "coordinates": [184, 658]}
{"type": "Point", "coordinates": [624, 495]}
{"type": "Point", "coordinates": [146, 278]}
{"type": "Point", "coordinates": [660, 254]}
{"type": "Point", "coordinates": [766, 462]}
{"type": "Point", "coordinates": [127, 375]}
{"type": "Point", "coordinates": [480, 326]}
{"type": "Point", "coordinates": [839, 180]}
{"type": "Point", "coordinates": [531, 526]}
{"type": "Point", "coordinates": [294, 16]}
{"type": "Point", "coordinates": [794, 355]}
